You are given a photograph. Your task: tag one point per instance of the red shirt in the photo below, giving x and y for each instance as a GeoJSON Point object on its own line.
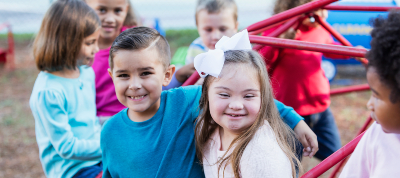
{"type": "Point", "coordinates": [297, 78]}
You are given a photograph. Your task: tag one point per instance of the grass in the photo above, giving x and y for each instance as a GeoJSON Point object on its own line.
{"type": "Point", "coordinates": [22, 37]}
{"type": "Point", "coordinates": [179, 38]}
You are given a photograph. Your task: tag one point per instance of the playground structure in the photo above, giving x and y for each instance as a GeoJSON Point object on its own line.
{"type": "Point", "coordinates": [7, 56]}
{"type": "Point", "coordinates": [291, 19]}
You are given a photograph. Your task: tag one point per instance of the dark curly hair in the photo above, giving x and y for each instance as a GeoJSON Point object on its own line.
{"type": "Point", "coordinates": [384, 55]}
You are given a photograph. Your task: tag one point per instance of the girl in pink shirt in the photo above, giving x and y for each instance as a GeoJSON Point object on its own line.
{"type": "Point", "coordinates": [378, 152]}
{"type": "Point", "coordinates": [116, 16]}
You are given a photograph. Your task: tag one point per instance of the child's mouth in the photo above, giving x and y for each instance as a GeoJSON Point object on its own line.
{"type": "Point", "coordinates": [137, 98]}
{"type": "Point", "coordinates": [236, 115]}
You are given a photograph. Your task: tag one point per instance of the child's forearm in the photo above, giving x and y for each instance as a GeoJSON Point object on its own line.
{"type": "Point", "coordinates": [289, 116]}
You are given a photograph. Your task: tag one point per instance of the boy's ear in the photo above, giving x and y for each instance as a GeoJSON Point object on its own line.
{"type": "Point", "coordinates": [237, 26]}
{"type": "Point", "coordinates": [110, 73]}
{"type": "Point", "coordinates": [168, 75]}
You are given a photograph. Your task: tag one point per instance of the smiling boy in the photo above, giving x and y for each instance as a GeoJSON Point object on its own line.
{"type": "Point", "coordinates": [154, 136]}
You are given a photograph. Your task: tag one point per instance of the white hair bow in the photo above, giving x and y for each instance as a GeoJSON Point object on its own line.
{"type": "Point", "coordinates": [211, 62]}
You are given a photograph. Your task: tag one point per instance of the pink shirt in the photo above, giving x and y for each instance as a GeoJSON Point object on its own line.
{"type": "Point", "coordinates": [107, 103]}
{"type": "Point", "coordinates": [376, 155]}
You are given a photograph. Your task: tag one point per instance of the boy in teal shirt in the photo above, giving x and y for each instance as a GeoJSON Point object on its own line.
{"type": "Point", "coordinates": [154, 136]}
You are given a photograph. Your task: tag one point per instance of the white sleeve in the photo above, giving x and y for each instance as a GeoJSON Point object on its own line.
{"type": "Point", "coordinates": [264, 158]}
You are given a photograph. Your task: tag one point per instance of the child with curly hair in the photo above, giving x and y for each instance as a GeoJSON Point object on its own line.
{"type": "Point", "coordinates": [377, 154]}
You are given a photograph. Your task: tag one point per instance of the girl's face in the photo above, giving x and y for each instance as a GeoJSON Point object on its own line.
{"type": "Point", "coordinates": [89, 47]}
{"type": "Point", "coordinates": [383, 111]}
{"type": "Point", "coordinates": [235, 98]}
{"type": "Point", "coordinates": [112, 14]}
{"type": "Point", "coordinates": [212, 27]}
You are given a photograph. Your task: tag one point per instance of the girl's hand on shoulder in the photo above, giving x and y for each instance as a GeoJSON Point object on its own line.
{"type": "Point", "coordinates": [307, 138]}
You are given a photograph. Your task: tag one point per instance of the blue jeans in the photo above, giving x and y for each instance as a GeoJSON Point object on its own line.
{"type": "Point", "coordinates": [324, 126]}
{"type": "Point", "coordinates": [89, 172]}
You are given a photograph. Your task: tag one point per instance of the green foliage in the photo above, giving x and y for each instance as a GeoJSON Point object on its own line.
{"type": "Point", "coordinates": [22, 37]}
{"type": "Point", "coordinates": [179, 38]}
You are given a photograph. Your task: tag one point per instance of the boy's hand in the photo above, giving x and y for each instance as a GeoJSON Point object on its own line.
{"type": "Point", "coordinates": [307, 138]}
{"type": "Point", "coordinates": [185, 72]}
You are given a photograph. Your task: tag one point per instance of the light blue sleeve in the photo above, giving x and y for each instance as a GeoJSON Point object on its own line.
{"type": "Point", "coordinates": [173, 84]}
{"type": "Point", "coordinates": [54, 118]}
{"type": "Point", "coordinates": [289, 116]}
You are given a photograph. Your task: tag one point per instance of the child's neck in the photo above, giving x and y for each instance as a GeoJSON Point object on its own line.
{"type": "Point", "coordinates": [67, 73]}
{"type": "Point", "coordinates": [136, 116]}
{"type": "Point", "coordinates": [105, 43]}
{"type": "Point", "coordinates": [226, 138]}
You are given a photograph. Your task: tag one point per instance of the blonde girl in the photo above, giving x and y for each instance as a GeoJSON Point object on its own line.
{"type": "Point", "coordinates": [239, 132]}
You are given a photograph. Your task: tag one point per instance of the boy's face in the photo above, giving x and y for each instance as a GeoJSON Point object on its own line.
{"type": "Point", "coordinates": [112, 14]}
{"type": "Point", "coordinates": [138, 78]}
{"type": "Point", "coordinates": [383, 111]}
{"type": "Point", "coordinates": [212, 27]}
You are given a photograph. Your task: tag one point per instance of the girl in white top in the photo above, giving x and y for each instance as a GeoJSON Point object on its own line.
{"type": "Point", "coordinates": [239, 132]}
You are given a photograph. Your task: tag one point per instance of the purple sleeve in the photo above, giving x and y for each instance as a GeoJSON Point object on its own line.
{"type": "Point", "coordinates": [173, 84]}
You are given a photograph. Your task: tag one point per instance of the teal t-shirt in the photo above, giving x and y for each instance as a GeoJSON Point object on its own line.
{"type": "Point", "coordinates": [164, 145]}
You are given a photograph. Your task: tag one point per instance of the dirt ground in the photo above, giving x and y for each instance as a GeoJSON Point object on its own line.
{"type": "Point", "coordinates": [18, 149]}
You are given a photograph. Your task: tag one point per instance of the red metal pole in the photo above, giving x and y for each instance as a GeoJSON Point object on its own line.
{"type": "Point", "coordinates": [333, 32]}
{"type": "Point", "coordinates": [341, 163]}
{"type": "Point", "coordinates": [10, 58]}
{"type": "Point", "coordinates": [283, 28]}
{"type": "Point", "coordinates": [359, 8]}
{"type": "Point", "coordinates": [308, 7]}
{"type": "Point", "coordinates": [309, 46]}
{"type": "Point", "coordinates": [333, 159]}
{"type": "Point", "coordinates": [192, 79]}
{"type": "Point", "coordinates": [349, 89]}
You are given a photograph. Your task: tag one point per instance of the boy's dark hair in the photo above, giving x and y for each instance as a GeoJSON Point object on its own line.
{"type": "Point", "coordinates": [139, 38]}
{"type": "Point", "coordinates": [59, 40]}
{"type": "Point", "coordinates": [215, 6]}
{"type": "Point", "coordinates": [384, 55]}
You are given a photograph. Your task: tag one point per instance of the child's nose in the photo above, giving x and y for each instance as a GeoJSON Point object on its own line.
{"type": "Point", "coordinates": [236, 105]}
{"type": "Point", "coordinates": [216, 35]}
{"type": "Point", "coordinates": [135, 84]}
{"type": "Point", "coordinates": [109, 18]}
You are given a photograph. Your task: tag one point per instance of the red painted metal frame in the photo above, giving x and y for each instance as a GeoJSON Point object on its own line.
{"type": "Point", "coordinates": [333, 32]}
{"type": "Point", "coordinates": [10, 58]}
{"type": "Point", "coordinates": [192, 79]}
{"type": "Point", "coordinates": [354, 88]}
{"type": "Point", "coordinates": [341, 163]}
{"type": "Point", "coordinates": [308, 7]}
{"type": "Point", "coordinates": [360, 8]}
{"type": "Point", "coordinates": [309, 46]}
{"type": "Point", "coordinates": [333, 159]}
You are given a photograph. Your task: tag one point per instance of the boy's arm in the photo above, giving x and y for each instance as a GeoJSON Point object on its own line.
{"type": "Point", "coordinates": [306, 136]}
{"type": "Point", "coordinates": [54, 118]}
{"type": "Point", "coordinates": [103, 140]}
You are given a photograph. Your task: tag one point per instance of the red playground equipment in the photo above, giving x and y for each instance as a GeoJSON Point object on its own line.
{"type": "Point", "coordinates": [291, 18]}
{"type": "Point", "coordinates": [7, 56]}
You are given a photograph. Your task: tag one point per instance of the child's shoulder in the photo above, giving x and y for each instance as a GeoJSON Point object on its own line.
{"type": "Point", "coordinates": [186, 90]}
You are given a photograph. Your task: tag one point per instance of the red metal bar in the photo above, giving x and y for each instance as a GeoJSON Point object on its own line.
{"type": "Point", "coordinates": [333, 159]}
{"type": "Point", "coordinates": [283, 28]}
{"type": "Point", "coordinates": [308, 7]}
{"type": "Point", "coordinates": [302, 45]}
{"type": "Point", "coordinates": [192, 79]}
{"type": "Point", "coordinates": [341, 163]}
{"type": "Point", "coordinates": [349, 89]}
{"type": "Point", "coordinates": [266, 28]}
{"type": "Point", "coordinates": [359, 8]}
{"type": "Point", "coordinates": [10, 54]}
{"type": "Point", "coordinates": [333, 32]}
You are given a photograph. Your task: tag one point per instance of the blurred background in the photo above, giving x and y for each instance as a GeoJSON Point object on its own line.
{"type": "Point", "coordinates": [18, 148]}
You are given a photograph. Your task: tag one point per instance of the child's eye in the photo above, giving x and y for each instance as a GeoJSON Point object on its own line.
{"type": "Point", "coordinates": [223, 95]}
{"type": "Point", "coordinates": [117, 11]}
{"type": "Point", "coordinates": [222, 29]}
{"type": "Point", "coordinates": [145, 73]}
{"type": "Point", "coordinates": [208, 30]}
{"type": "Point", "coordinates": [123, 75]}
{"type": "Point", "coordinates": [102, 10]}
{"type": "Point", "coordinates": [249, 96]}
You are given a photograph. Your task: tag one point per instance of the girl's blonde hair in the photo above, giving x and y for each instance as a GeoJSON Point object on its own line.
{"type": "Point", "coordinates": [268, 113]}
{"type": "Point", "coordinates": [59, 40]}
